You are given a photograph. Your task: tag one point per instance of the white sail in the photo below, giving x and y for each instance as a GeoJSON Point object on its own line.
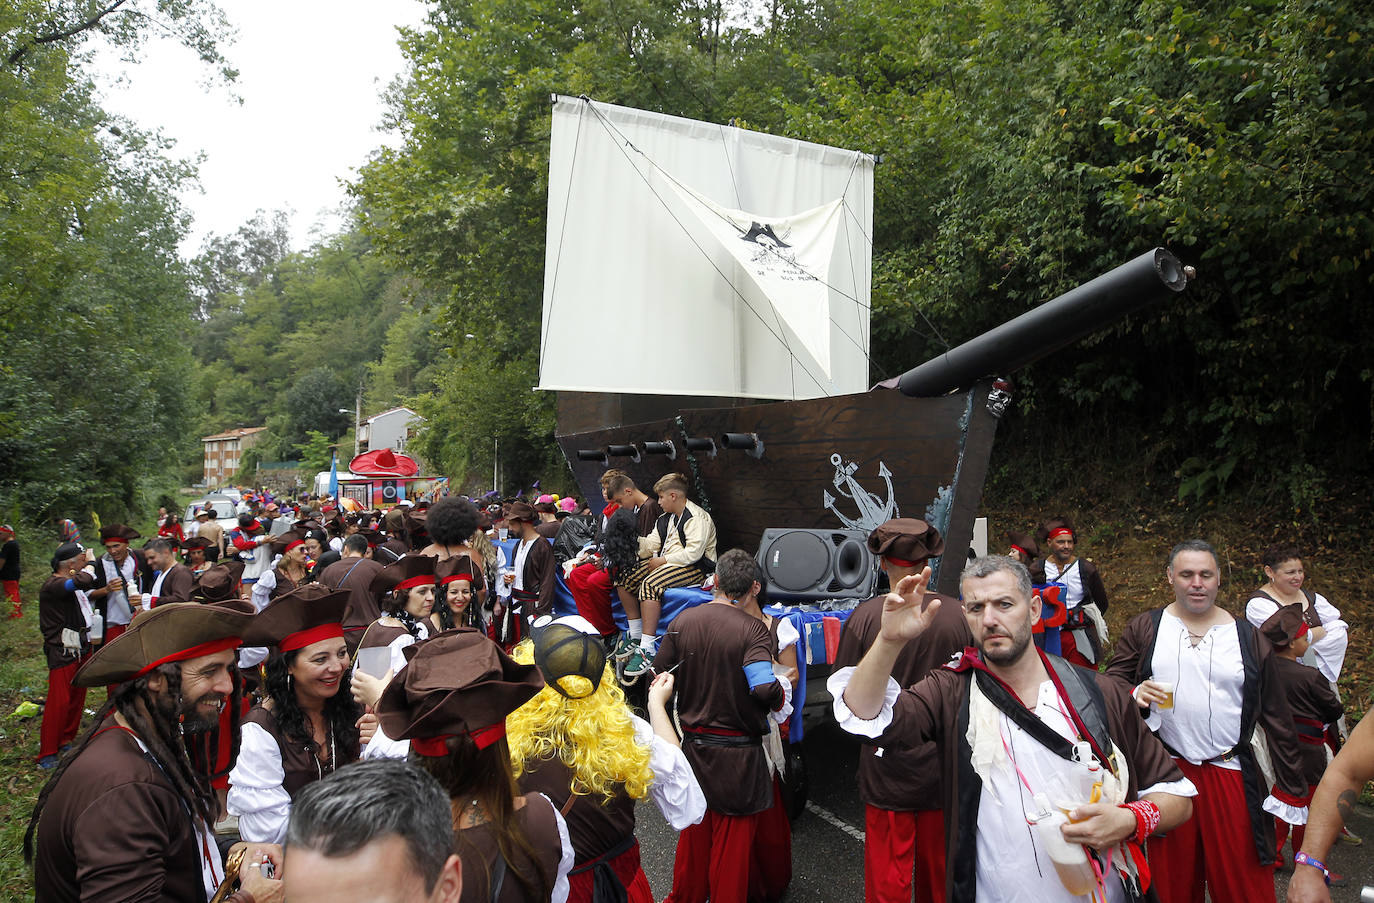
{"type": "Point", "coordinates": [686, 258]}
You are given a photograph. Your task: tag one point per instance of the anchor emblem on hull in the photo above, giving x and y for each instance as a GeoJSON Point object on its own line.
{"type": "Point", "coordinates": [872, 510]}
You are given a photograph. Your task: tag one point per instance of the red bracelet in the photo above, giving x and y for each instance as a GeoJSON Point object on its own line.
{"type": "Point", "coordinates": [1146, 818]}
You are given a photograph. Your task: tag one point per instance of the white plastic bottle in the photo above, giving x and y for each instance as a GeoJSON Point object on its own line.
{"type": "Point", "coordinates": [1070, 860]}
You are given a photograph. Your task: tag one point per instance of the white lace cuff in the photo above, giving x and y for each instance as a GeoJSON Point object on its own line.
{"type": "Point", "coordinates": [1294, 815]}
{"type": "Point", "coordinates": [675, 789]}
{"type": "Point", "coordinates": [872, 727]}
{"type": "Point", "coordinates": [782, 714]}
{"type": "Point", "coordinates": [1176, 788]}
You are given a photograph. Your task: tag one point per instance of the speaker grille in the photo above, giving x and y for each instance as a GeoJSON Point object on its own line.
{"type": "Point", "coordinates": [796, 562]}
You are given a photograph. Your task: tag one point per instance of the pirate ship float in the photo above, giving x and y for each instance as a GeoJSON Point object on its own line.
{"type": "Point", "coordinates": [706, 312]}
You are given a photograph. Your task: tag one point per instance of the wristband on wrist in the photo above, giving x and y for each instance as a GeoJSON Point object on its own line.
{"type": "Point", "coordinates": [1303, 859]}
{"type": "Point", "coordinates": [1146, 819]}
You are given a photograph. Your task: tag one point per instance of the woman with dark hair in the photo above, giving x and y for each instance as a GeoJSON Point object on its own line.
{"type": "Point", "coordinates": [318, 554]}
{"type": "Point", "coordinates": [450, 702]}
{"type": "Point", "coordinates": [455, 583]}
{"type": "Point", "coordinates": [196, 549]}
{"type": "Point", "coordinates": [451, 523]}
{"type": "Point", "coordinates": [405, 590]}
{"type": "Point", "coordinates": [614, 552]}
{"type": "Point", "coordinates": [1329, 634]}
{"type": "Point", "coordinates": [306, 725]}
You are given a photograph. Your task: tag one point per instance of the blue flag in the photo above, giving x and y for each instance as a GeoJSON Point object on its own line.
{"type": "Point", "coordinates": [334, 474]}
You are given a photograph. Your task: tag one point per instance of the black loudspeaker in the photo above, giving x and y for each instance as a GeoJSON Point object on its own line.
{"type": "Point", "coordinates": [809, 565]}
{"type": "Point", "coordinates": [388, 490]}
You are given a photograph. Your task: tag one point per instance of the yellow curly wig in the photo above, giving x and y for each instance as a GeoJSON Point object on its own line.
{"type": "Point", "coordinates": [593, 736]}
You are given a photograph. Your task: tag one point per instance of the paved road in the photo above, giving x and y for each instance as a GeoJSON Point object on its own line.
{"type": "Point", "coordinates": [827, 840]}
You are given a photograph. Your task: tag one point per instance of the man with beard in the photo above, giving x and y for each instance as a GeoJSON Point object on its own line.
{"type": "Point", "coordinates": [1026, 740]}
{"type": "Point", "coordinates": [127, 815]}
{"type": "Point", "coordinates": [532, 574]}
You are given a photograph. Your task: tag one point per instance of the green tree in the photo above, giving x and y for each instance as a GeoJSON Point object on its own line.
{"type": "Point", "coordinates": [314, 403]}
{"type": "Point", "coordinates": [316, 452]}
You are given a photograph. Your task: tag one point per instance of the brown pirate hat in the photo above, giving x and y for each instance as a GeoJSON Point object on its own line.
{"type": "Point", "coordinates": [1285, 625]}
{"type": "Point", "coordinates": [409, 571]}
{"type": "Point", "coordinates": [287, 541]}
{"type": "Point", "coordinates": [118, 533]}
{"type": "Point", "coordinates": [906, 541]}
{"type": "Point", "coordinates": [458, 567]}
{"type": "Point", "coordinates": [191, 543]}
{"type": "Point", "coordinates": [457, 684]}
{"type": "Point", "coordinates": [1028, 546]}
{"type": "Point", "coordinates": [308, 614]}
{"type": "Point", "coordinates": [522, 511]}
{"type": "Point", "coordinates": [219, 582]}
{"type": "Point", "coordinates": [172, 632]}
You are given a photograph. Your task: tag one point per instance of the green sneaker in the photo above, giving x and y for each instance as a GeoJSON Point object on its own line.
{"type": "Point", "coordinates": [636, 664]}
{"type": "Point", "coordinates": [624, 647]}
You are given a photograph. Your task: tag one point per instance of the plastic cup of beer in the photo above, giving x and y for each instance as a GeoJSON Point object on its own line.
{"type": "Point", "coordinates": [1167, 688]}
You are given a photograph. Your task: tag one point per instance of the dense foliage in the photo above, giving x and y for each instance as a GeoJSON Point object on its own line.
{"type": "Point", "coordinates": [294, 340]}
{"type": "Point", "coordinates": [95, 308]}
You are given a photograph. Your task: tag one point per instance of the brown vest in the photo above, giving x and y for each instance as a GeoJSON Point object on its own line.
{"type": "Point", "coordinates": [478, 852]}
{"type": "Point", "coordinates": [298, 759]}
{"type": "Point", "coordinates": [595, 826]}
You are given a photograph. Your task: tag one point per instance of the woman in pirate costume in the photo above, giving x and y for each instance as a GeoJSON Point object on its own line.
{"type": "Point", "coordinates": [1329, 636]}
{"type": "Point", "coordinates": [288, 571]}
{"type": "Point", "coordinates": [457, 580]}
{"type": "Point", "coordinates": [405, 590]}
{"type": "Point", "coordinates": [305, 726]}
{"type": "Point", "coordinates": [578, 743]}
{"type": "Point", "coordinates": [450, 525]}
{"type": "Point", "coordinates": [450, 703]}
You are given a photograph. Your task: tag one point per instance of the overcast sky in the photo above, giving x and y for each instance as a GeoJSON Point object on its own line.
{"type": "Point", "coordinates": [311, 76]}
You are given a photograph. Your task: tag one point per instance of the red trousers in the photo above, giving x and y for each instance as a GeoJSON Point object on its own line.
{"type": "Point", "coordinates": [904, 851]}
{"type": "Point", "coordinates": [626, 867]}
{"type": "Point", "coordinates": [12, 591]}
{"type": "Point", "coordinates": [1214, 849]}
{"type": "Point", "coordinates": [62, 712]}
{"type": "Point", "coordinates": [591, 590]}
{"type": "Point", "coordinates": [1281, 829]}
{"type": "Point", "coordinates": [713, 859]}
{"type": "Point", "coordinates": [112, 631]}
{"type": "Point", "coordinates": [771, 869]}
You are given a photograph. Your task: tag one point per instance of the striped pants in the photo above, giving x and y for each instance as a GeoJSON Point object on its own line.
{"type": "Point", "coordinates": [649, 584]}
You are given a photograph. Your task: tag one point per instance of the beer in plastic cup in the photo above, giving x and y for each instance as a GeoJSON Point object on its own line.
{"type": "Point", "coordinates": [1167, 688]}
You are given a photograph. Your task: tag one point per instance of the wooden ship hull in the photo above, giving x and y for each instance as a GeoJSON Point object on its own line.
{"type": "Point", "coordinates": [845, 462]}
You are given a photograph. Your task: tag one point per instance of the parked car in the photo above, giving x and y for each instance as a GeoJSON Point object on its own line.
{"type": "Point", "coordinates": [226, 512]}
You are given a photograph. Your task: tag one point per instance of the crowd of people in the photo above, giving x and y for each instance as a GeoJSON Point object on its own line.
{"type": "Point", "coordinates": [265, 694]}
